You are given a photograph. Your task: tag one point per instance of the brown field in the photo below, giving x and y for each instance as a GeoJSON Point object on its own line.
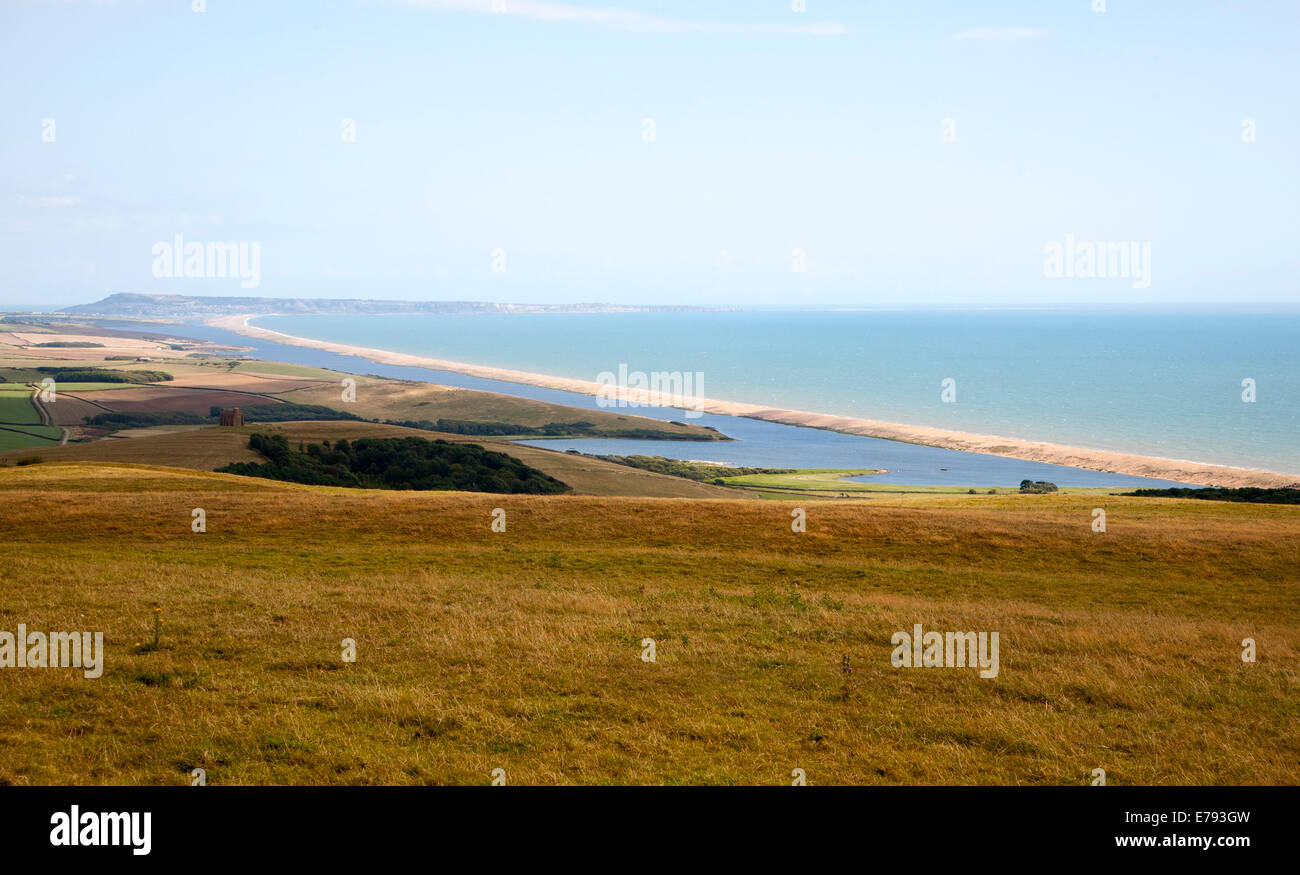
{"type": "Point", "coordinates": [24, 343]}
{"type": "Point", "coordinates": [202, 450]}
{"type": "Point", "coordinates": [163, 398]}
{"type": "Point", "coordinates": [521, 650]}
{"type": "Point", "coordinates": [239, 381]}
{"type": "Point", "coordinates": [132, 343]}
{"type": "Point", "coordinates": [71, 409]}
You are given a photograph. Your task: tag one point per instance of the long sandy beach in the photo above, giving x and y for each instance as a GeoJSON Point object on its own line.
{"type": "Point", "coordinates": [1036, 451]}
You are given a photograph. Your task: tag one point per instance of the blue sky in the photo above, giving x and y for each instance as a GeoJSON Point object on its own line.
{"type": "Point", "coordinates": [774, 130]}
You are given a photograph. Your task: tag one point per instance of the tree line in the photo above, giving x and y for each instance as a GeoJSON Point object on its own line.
{"type": "Point", "coordinates": [394, 463]}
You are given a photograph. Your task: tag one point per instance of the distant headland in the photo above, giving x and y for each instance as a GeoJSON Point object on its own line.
{"type": "Point", "coordinates": [193, 307]}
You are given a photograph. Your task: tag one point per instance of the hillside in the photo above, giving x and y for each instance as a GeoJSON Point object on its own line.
{"type": "Point", "coordinates": [400, 400]}
{"type": "Point", "coordinates": [521, 649]}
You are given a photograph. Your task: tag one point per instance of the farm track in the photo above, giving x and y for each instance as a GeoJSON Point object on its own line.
{"type": "Point", "coordinates": [40, 410]}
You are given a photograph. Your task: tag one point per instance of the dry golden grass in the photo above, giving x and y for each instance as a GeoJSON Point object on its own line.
{"type": "Point", "coordinates": [479, 650]}
{"type": "Point", "coordinates": [204, 449]}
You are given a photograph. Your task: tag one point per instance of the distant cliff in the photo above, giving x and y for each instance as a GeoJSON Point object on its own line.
{"type": "Point", "coordinates": [189, 307]}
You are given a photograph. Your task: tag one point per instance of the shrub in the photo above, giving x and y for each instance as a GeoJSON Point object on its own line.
{"type": "Point", "coordinates": [1252, 494]}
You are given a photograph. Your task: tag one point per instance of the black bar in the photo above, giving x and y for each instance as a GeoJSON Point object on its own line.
{"type": "Point", "coordinates": [626, 826]}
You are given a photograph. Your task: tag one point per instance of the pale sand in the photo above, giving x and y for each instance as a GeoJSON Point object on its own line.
{"type": "Point", "coordinates": [1035, 451]}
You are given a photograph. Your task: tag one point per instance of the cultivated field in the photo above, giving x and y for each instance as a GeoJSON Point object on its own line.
{"type": "Point", "coordinates": [18, 437]}
{"type": "Point", "coordinates": [16, 407]}
{"type": "Point", "coordinates": [521, 649]}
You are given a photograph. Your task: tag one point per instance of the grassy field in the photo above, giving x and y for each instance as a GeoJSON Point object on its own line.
{"type": "Point", "coordinates": [827, 482]}
{"type": "Point", "coordinates": [807, 480]}
{"type": "Point", "coordinates": [16, 437]}
{"type": "Point", "coordinates": [93, 387]}
{"type": "Point", "coordinates": [522, 650]}
{"type": "Point", "coordinates": [16, 407]}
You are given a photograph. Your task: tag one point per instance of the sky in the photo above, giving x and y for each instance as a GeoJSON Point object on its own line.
{"type": "Point", "coordinates": [699, 152]}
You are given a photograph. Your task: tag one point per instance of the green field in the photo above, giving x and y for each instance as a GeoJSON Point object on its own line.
{"type": "Point", "coordinates": [20, 374]}
{"type": "Point", "coordinates": [986, 490]}
{"type": "Point", "coordinates": [828, 480]}
{"type": "Point", "coordinates": [27, 436]}
{"type": "Point", "coordinates": [16, 407]}
{"type": "Point", "coordinates": [807, 480]}
{"type": "Point", "coordinates": [94, 387]}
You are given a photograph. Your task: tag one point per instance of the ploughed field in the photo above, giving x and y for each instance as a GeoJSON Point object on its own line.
{"type": "Point", "coordinates": [523, 650]}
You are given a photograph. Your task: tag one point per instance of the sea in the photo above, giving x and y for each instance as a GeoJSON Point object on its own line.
{"type": "Point", "coordinates": [1220, 388]}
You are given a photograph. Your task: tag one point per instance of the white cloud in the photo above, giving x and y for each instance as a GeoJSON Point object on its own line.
{"type": "Point", "coordinates": [620, 19]}
{"type": "Point", "coordinates": [1000, 33]}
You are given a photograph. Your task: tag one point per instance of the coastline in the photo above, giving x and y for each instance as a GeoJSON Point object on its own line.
{"type": "Point", "coordinates": [1034, 451]}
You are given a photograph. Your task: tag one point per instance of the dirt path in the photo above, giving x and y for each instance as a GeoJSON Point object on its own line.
{"type": "Point", "coordinates": [36, 402]}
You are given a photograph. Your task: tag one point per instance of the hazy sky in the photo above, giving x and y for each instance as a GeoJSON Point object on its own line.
{"type": "Point", "coordinates": [525, 131]}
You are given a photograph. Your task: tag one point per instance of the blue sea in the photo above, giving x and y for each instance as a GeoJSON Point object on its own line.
{"type": "Point", "coordinates": [1157, 384]}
